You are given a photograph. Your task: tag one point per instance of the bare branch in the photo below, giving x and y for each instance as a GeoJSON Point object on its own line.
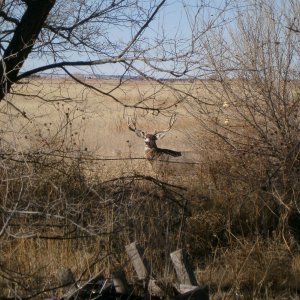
{"type": "Point", "coordinates": [133, 40]}
{"type": "Point", "coordinates": [171, 123]}
{"type": "Point", "coordinates": [8, 18]}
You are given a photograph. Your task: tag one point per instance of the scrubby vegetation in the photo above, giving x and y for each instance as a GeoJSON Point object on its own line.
{"type": "Point", "coordinates": [63, 208]}
{"type": "Point", "coordinates": [74, 188]}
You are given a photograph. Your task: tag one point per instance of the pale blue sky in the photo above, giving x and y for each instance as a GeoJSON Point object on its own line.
{"type": "Point", "coordinates": [171, 21]}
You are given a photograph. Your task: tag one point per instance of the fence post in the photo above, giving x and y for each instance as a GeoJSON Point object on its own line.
{"type": "Point", "coordinates": [142, 269]}
{"type": "Point", "coordinates": [139, 262]}
{"type": "Point", "coordinates": [183, 268]}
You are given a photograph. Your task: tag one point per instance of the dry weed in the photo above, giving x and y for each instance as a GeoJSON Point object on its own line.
{"type": "Point", "coordinates": [75, 190]}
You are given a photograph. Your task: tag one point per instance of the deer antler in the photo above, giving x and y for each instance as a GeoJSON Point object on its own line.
{"type": "Point", "coordinates": [131, 122]}
{"type": "Point", "coordinates": [132, 126]}
{"type": "Point", "coordinates": [171, 123]}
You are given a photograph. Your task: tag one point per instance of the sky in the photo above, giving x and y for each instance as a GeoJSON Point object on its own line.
{"type": "Point", "coordinates": [173, 20]}
{"type": "Point", "coordinates": [171, 17]}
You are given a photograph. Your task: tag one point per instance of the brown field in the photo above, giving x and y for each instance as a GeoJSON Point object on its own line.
{"type": "Point", "coordinates": [100, 123]}
{"type": "Point", "coordinates": [95, 124]}
{"type": "Point", "coordinates": [67, 210]}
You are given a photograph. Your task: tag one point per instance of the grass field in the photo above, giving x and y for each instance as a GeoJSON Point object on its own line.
{"type": "Point", "coordinates": [99, 123]}
{"type": "Point", "coordinates": [64, 207]}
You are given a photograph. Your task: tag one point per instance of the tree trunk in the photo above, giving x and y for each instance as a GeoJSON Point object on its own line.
{"type": "Point", "coordinates": [22, 42]}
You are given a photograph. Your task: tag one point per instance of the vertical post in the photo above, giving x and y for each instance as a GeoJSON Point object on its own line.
{"type": "Point", "coordinates": [142, 269]}
{"type": "Point", "coordinates": [141, 266]}
{"type": "Point", "coordinates": [183, 268]}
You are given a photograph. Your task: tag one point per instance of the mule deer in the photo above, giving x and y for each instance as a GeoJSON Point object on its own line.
{"type": "Point", "coordinates": [153, 153]}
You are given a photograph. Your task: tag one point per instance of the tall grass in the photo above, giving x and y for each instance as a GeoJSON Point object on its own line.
{"type": "Point", "coordinates": [64, 208]}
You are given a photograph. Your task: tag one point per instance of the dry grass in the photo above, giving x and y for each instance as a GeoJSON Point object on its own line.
{"type": "Point", "coordinates": [66, 212]}
{"type": "Point", "coordinates": [98, 123]}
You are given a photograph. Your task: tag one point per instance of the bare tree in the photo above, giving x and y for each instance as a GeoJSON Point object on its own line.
{"type": "Point", "coordinates": [240, 61]}
{"type": "Point", "coordinates": [63, 35]}
{"type": "Point", "coordinates": [58, 30]}
{"type": "Point", "coordinates": [252, 100]}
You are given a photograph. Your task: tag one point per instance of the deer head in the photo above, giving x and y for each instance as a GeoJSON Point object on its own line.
{"type": "Point", "coordinates": [150, 138]}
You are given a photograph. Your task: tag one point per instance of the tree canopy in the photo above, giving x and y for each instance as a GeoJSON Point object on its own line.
{"type": "Point", "coordinates": [70, 33]}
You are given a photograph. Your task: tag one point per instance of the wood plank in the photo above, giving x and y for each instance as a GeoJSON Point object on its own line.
{"type": "Point", "coordinates": [139, 262]}
{"type": "Point", "coordinates": [183, 268]}
{"type": "Point", "coordinates": [141, 266]}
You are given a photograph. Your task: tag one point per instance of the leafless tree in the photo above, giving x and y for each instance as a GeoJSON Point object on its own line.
{"type": "Point", "coordinates": [62, 32]}
{"type": "Point", "coordinates": [63, 35]}
{"type": "Point", "coordinates": [252, 93]}
{"type": "Point", "coordinates": [241, 60]}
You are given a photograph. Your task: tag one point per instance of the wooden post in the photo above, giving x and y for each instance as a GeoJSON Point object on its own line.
{"type": "Point", "coordinates": [142, 269]}
{"type": "Point", "coordinates": [183, 268]}
{"type": "Point", "coordinates": [141, 266]}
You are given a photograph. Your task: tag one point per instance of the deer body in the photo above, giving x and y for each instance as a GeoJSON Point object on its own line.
{"type": "Point", "coordinates": [153, 153]}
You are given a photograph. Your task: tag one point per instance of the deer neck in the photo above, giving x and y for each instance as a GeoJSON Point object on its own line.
{"type": "Point", "coordinates": [150, 151]}
{"type": "Point", "coordinates": [151, 146]}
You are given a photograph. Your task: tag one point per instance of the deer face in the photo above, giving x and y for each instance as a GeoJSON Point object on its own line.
{"type": "Point", "coordinates": [150, 140]}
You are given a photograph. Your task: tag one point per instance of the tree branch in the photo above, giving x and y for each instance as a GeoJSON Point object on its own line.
{"type": "Point", "coordinates": [142, 28]}
{"type": "Point", "coordinates": [22, 42]}
{"type": "Point", "coordinates": [8, 18]}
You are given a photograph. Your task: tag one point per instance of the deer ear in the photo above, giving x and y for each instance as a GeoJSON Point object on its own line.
{"type": "Point", "coordinates": [160, 135]}
{"type": "Point", "coordinates": [140, 133]}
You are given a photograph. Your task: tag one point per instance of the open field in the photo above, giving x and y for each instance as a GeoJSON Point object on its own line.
{"type": "Point", "coordinates": [99, 123]}
{"type": "Point", "coordinates": [65, 207]}
{"type": "Point", "coordinates": [93, 124]}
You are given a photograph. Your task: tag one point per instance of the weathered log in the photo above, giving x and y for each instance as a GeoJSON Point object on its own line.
{"type": "Point", "coordinates": [183, 268]}
{"type": "Point", "coordinates": [142, 269]}
{"type": "Point", "coordinates": [139, 262]}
